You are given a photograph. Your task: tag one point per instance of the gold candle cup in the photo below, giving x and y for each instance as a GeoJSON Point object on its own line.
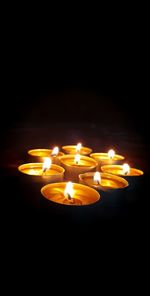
{"type": "Point", "coordinates": [72, 170]}
{"type": "Point", "coordinates": [118, 170]}
{"type": "Point", "coordinates": [72, 149]}
{"type": "Point", "coordinates": [41, 154]}
{"type": "Point", "coordinates": [54, 174]}
{"type": "Point", "coordinates": [82, 195]}
{"type": "Point", "coordinates": [103, 159]}
{"type": "Point", "coordinates": [107, 182]}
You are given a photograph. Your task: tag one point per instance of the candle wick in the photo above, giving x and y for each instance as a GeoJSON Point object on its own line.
{"type": "Point", "coordinates": [98, 182]}
{"type": "Point", "coordinates": [69, 196]}
{"type": "Point", "coordinates": [44, 170]}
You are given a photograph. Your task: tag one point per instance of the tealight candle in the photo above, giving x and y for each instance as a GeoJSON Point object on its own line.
{"type": "Point", "coordinates": [107, 158]}
{"type": "Point", "coordinates": [77, 164]}
{"type": "Point", "coordinates": [122, 170]}
{"type": "Point", "coordinates": [68, 193]}
{"type": "Point", "coordinates": [47, 171]}
{"type": "Point", "coordinates": [73, 149]}
{"type": "Point", "coordinates": [41, 154]}
{"type": "Point", "coordinates": [102, 181]}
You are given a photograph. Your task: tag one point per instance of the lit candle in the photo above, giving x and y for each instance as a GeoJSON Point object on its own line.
{"type": "Point", "coordinates": [47, 171]}
{"type": "Point", "coordinates": [122, 170]}
{"type": "Point", "coordinates": [107, 158]}
{"type": "Point", "coordinates": [55, 151]}
{"type": "Point", "coordinates": [102, 181]}
{"type": "Point", "coordinates": [126, 168]}
{"type": "Point", "coordinates": [41, 154]}
{"type": "Point", "coordinates": [77, 159]}
{"type": "Point", "coordinates": [78, 147]}
{"type": "Point", "coordinates": [77, 164]}
{"type": "Point", "coordinates": [73, 149]}
{"type": "Point", "coordinates": [68, 193]}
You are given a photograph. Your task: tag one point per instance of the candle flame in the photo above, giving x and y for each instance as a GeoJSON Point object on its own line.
{"type": "Point", "coordinates": [77, 158]}
{"type": "Point", "coordinates": [55, 151]}
{"type": "Point", "coordinates": [97, 177]}
{"type": "Point", "coordinates": [46, 164]}
{"type": "Point", "coordinates": [126, 168]}
{"type": "Point", "coordinates": [111, 153]}
{"type": "Point", "coordinates": [69, 190]}
{"type": "Point", "coordinates": [78, 147]}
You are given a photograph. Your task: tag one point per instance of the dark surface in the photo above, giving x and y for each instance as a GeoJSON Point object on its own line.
{"type": "Point", "coordinates": [55, 99]}
{"type": "Point", "coordinates": [116, 216]}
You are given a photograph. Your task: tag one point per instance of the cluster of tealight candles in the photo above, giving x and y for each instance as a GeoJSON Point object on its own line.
{"type": "Point", "coordinates": [90, 172]}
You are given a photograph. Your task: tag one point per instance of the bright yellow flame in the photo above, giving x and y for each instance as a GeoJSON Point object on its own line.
{"type": "Point", "coordinates": [69, 190]}
{"type": "Point", "coordinates": [78, 147]}
{"type": "Point", "coordinates": [126, 168]}
{"type": "Point", "coordinates": [77, 158]}
{"type": "Point", "coordinates": [55, 151]}
{"type": "Point", "coordinates": [47, 163]}
{"type": "Point", "coordinates": [111, 153]}
{"type": "Point", "coordinates": [97, 177]}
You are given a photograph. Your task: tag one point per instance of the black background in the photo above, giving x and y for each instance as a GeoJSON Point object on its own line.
{"type": "Point", "coordinates": [63, 93]}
